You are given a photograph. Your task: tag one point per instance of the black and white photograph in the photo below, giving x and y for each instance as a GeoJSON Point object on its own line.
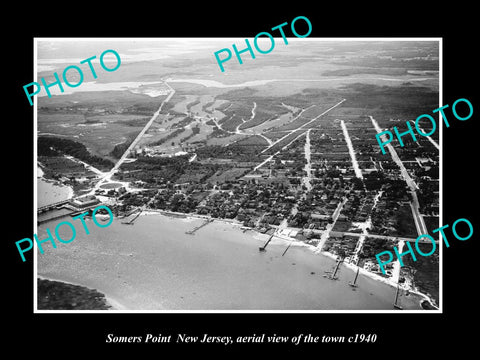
{"type": "Point", "coordinates": [260, 187]}
{"type": "Point", "coordinates": [286, 179]}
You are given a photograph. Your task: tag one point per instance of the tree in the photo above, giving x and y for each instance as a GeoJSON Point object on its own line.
{"type": "Point", "coordinates": [357, 183]}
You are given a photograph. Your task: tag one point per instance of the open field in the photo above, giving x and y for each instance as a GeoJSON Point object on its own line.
{"type": "Point", "coordinates": [99, 120]}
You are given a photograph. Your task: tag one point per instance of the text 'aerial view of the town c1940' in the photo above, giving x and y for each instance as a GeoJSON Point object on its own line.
{"type": "Point", "coordinates": [259, 188]}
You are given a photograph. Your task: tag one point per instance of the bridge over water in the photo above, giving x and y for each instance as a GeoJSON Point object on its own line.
{"type": "Point", "coordinates": [42, 209]}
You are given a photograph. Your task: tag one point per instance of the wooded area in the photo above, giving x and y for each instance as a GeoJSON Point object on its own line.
{"type": "Point", "coordinates": [53, 146]}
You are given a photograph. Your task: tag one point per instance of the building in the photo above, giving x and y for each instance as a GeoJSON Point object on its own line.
{"type": "Point", "coordinates": [84, 201]}
{"type": "Point", "coordinates": [318, 216]}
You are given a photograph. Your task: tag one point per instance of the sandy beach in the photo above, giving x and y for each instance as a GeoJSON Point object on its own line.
{"type": "Point", "coordinates": [112, 303]}
{"type": "Point", "coordinates": [51, 191]}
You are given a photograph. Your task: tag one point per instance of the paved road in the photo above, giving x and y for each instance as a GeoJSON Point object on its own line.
{"type": "Point", "coordinates": [434, 143]}
{"type": "Point", "coordinates": [88, 166]}
{"type": "Point", "coordinates": [307, 180]}
{"type": "Point", "coordinates": [419, 223]}
{"type": "Point", "coordinates": [356, 168]}
{"type": "Point", "coordinates": [326, 233]}
{"type": "Point", "coordinates": [278, 152]}
{"type": "Point", "coordinates": [388, 237]}
{"type": "Point", "coordinates": [301, 127]}
{"type": "Point", "coordinates": [107, 176]}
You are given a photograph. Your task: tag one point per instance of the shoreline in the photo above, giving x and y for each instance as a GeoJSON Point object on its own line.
{"type": "Point", "coordinates": [111, 303]}
{"type": "Point", "coordinates": [70, 193]}
{"type": "Point", "coordinates": [285, 240]}
{"type": "Point", "coordinates": [279, 240]}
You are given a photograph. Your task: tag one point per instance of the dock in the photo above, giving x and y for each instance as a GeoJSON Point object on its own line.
{"type": "Point", "coordinates": [59, 210]}
{"type": "Point", "coordinates": [124, 216]}
{"type": "Point", "coordinates": [332, 276]}
{"type": "Point", "coordinates": [354, 283]}
{"type": "Point", "coordinates": [395, 304]}
{"type": "Point", "coordinates": [130, 222]}
{"type": "Point", "coordinates": [56, 205]}
{"type": "Point", "coordinates": [288, 247]}
{"type": "Point", "coordinates": [262, 248]}
{"type": "Point", "coordinates": [53, 215]}
{"type": "Point", "coordinates": [192, 232]}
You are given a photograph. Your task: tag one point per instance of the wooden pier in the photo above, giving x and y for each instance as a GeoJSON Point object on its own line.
{"type": "Point", "coordinates": [395, 304]}
{"type": "Point", "coordinates": [61, 209]}
{"type": "Point", "coordinates": [332, 276]}
{"type": "Point", "coordinates": [192, 232]}
{"type": "Point", "coordinates": [262, 248]}
{"type": "Point", "coordinates": [59, 213]}
{"type": "Point", "coordinates": [58, 204]}
{"type": "Point", "coordinates": [354, 283]}
{"type": "Point", "coordinates": [130, 222]}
